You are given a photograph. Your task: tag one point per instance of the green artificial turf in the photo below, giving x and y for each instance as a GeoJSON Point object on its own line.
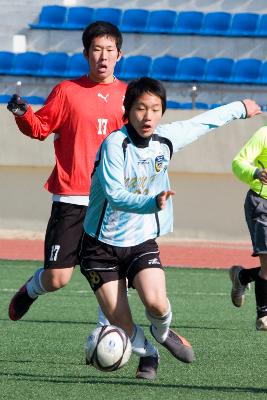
{"type": "Point", "coordinates": [42, 356]}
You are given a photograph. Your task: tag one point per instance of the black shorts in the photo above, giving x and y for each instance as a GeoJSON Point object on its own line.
{"type": "Point", "coordinates": [63, 235]}
{"type": "Point", "coordinates": [101, 262]}
{"type": "Point", "coordinates": [256, 217]}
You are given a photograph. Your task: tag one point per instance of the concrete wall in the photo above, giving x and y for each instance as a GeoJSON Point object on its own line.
{"type": "Point", "coordinates": [208, 202]}
{"type": "Point", "coordinates": [212, 152]}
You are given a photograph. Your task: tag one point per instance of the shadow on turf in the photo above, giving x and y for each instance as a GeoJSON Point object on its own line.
{"type": "Point", "coordinates": [112, 380]}
{"type": "Point", "coordinates": [176, 327]}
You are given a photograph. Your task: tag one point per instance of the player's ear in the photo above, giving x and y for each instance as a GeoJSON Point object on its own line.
{"type": "Point", "coordinates": [85, 54]}
{"type": "Point", "coordinates": [120, 54]}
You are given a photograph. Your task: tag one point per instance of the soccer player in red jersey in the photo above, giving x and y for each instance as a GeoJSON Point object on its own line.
{"type": "Point", "coordinates": [80, 113]}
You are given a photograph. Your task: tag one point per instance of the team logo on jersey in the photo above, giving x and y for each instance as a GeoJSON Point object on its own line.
{"type": "Point", "coordinates": [143, 162]}
{"type": "Point", "coordinates": [159, 162]}
{"type": "Point", "coordinates": [105, 98]}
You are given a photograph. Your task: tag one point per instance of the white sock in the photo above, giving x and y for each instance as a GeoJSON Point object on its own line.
{"type": "Point", "coordinates": [160, 325]}
{"type": "Point", "coordinates": [34, 286]}
{"type": "Point", "coordinates": [102, 319]}
{"type": "Point", "coordinates": [140, 345]}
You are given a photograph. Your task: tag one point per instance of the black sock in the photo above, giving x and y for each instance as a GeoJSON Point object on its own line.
{"type": "Point", "coordinates": [261, 296]}
{"type": "Point", "coordinates": [248, 275]}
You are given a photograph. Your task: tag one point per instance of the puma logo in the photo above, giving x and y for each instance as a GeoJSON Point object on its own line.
{"type": "Point", "coordinates": [105, 98]}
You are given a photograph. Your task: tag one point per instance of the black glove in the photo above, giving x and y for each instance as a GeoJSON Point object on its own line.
{"type": "Point", "coordinates": [17, 105]}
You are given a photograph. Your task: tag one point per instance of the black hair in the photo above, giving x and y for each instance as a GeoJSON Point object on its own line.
{"type": "Point", "coordinates": [98, 29]}
{"type": "Point", "coordinates": [140, 86]}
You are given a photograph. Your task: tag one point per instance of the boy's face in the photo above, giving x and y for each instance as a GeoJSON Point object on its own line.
{"type": "Point", "coordinates": [145, 114]}
{"type": "Point", "coordinates": [102, 57]}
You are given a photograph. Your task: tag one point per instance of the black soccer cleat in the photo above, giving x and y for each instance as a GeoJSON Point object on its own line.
{"type": "Point", "coordinates": [147, 368]}
{"type": "Point", "coordinates": [178, 346]}
{"type": "Point", "coordinates": [20, 304]}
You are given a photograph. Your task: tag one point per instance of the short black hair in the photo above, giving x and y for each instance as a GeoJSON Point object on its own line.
{"type": "Point", "coordinates": [98, 29]}
{"type": "Point", "coordinates": [140, 86]}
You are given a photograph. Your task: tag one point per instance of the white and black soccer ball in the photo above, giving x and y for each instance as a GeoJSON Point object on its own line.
{"type": "Point", "coordinates": [108, 348]}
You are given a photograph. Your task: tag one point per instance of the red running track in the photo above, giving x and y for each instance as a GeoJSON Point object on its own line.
{"type": "Point", "coordinates": [192, 254]}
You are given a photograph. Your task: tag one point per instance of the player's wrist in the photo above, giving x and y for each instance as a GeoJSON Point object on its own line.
{"type": "Point", "coordinates": [245, 107]}
{"type": "Point", "coordinates": [257, 173]}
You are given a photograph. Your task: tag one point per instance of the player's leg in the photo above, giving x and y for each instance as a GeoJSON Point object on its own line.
{"type": "Point", "coordinates": [146, 275]}
{"type": "Point", "coordinates": [113, 300]}
{"type": "Point", "coordinates": [61, 254]}
{"type": "Point", "coordinates": [242, 277]}
{"type": "Point", "coordinates": [150, 284]}
{"type": "Point", "coordinates": [102, 319]}
{"type": "Point", "coordinates": [99, 264]}
{"type": "Point", "coordinates": [261, 295]}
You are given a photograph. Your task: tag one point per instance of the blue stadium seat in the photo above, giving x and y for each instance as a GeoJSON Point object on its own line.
{"type": "Point", "coordinates": [171, 104]}
{"type": "Point", "coordinates": [77, 66]}
{"type": "Point", "coordinates": [34, 99]}
{"type": "Point", "coordinates": [188, 22]}
{"type": "Point", "coordinates": [78, 17]}
{"type": "Point", "coordinates": [198, 105]}
{"type": "Point", "coordinates": [108, 14]}
{"type": "Point", "coordinates": [6, 62]}
{"type": "Point", "coordinates": [191, 69]}
{"type": "Point", "coordinates": [244, 24]}
{"type": "Point", "coordinates": [216, 23]}
{"type": "Point", "coordinates": [262, 26]}
{"type": "Point", "coordinates": [219, 70]}
{"type": "Point", "coordinates": [134, 20]}
{"type": "Point", "coordinates": [26, 63]}
{"type": "Point", "coordinates": [53, 64]}
{"type": "Point", "coordinates": [51, 17]}
{"type": "Point", "coordinates": [246, 70]}
{"type": "Point", "coordinates": [135, 67]}
{"type": "Point", "coordinates": [164, 68]}
{"type": "Point", "coordinates": [4, 98]}
{"type": "Point", "coordinates": [161, 21]}
{"type": "Point", "coordinates": [215, 105]}
{"type": "Point", "coordinates": [263, 74]}
{"type": "Point", "coordinates": [118, 67]}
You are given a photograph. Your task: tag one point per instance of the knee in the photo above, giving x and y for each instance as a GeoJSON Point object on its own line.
{"type": "Point", "coordinates": [157, 307]}
{"type": "Point", "coordinates": [54, 279]}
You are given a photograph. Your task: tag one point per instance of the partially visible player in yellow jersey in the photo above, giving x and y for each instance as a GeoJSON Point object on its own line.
{"type": "Point", "coordinates": [250, 166]}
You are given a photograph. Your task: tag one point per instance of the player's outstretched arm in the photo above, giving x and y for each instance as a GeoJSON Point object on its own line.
{"type": "Point", "coordinates": [252, 108]}
{"type": "Point", "coordinates": [182, 133]}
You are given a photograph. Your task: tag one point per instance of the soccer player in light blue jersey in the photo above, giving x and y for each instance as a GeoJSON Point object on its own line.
{"type": "Point", "coordinates": [130, 206]}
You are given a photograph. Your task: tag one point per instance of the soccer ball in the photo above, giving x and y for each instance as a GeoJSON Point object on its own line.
{"type": "Point", "coordinates": [108, 348]}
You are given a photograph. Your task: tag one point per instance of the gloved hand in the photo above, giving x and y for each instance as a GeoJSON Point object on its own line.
{"type": "Point", "coordinates": [17, 105]}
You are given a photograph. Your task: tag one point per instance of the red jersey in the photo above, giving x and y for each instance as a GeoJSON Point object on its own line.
{"type": "Point", "coordinates": [81, 113]}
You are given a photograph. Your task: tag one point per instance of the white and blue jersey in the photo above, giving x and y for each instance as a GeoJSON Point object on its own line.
{"type": "Point", "coordinates": [130, 172]}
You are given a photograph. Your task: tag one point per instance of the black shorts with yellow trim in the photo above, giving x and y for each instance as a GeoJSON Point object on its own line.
{"type": "Point", "coordinates": [101, 263]}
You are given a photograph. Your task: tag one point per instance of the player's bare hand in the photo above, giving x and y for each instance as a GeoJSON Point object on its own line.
{"type": "Point", "coordinates": [252, 108]}
{"type": "Point", "coordinates": [263, 176]}
{"type": "Point", "coordinates": [162, 198]}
